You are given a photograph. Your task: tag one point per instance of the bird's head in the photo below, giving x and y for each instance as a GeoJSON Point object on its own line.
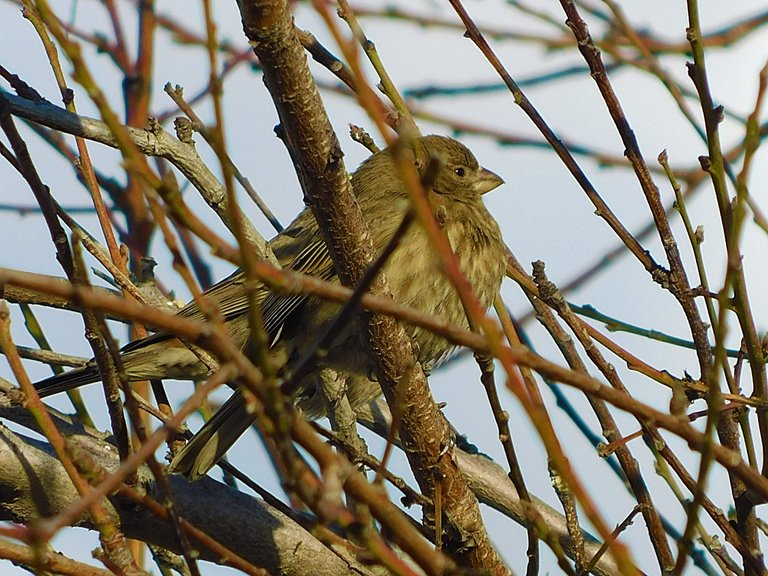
{"type": "Point", "coordinates": [460, 174]}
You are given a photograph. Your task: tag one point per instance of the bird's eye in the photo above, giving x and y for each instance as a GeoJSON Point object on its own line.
{"type": "Point", "coordinates": [460, 172]}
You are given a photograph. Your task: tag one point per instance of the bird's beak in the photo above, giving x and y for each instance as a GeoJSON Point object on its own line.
{"type": "Point", "coordinates": [486, 181]}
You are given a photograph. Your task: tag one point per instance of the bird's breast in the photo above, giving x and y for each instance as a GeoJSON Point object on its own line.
{"type": "Point", "coordinates": [415, 274]}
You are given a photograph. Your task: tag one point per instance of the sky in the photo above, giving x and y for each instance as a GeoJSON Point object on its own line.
{"type": "Point", "coordinates": [543, 213]}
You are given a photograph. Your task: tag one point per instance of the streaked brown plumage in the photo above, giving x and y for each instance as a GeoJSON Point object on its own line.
{"type": "Point", "coordinates": [296, 322]}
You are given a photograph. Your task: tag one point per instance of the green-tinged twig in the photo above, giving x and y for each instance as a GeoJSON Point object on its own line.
{"type": "Point", "coordinates": [731, 220]}
{"type": "Point", "coordinates": [36, 331]}
{"type": "Point", "coordinates": [515, 472]}
{"type": "Point", "coordinates": [111, 537]}
{"type": "Point", "coordinates": [663, 469]}
{"type": "Point", "coordinates": [615, 325]}
{"type": "Point", "coordinates": [406, 125]}
{"type": "Point", "coordinates": [695, 238]}
{"type": "Point", "coordinates": [550, 295]}
{"type": "Point", "coordinates": [505, 435]}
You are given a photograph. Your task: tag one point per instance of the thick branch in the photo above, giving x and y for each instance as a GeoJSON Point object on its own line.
{"type": "Point", "coordinates": [318, 161]}
{"type": "Point", "coordinates": [33, 483]}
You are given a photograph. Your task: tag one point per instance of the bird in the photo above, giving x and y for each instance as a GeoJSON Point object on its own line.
{"type": "Point", "coordinates": [293, 322]}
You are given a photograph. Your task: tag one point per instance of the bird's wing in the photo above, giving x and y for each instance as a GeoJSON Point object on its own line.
{"type": "Point", "coordinates": [313, 260]}
{"type": "Point", "coordinates": [228, 295]}
{"type": "Point", "coordinates": [232, 299]}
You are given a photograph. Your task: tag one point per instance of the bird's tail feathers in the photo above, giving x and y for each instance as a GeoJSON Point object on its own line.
{"type": "Point", "coordinates": [213, 440]}
{"type": "Point", "coordinates": [68, 380]}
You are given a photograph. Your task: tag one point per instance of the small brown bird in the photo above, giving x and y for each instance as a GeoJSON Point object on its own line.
{"type": "Point", "coordinates": [294, 322]}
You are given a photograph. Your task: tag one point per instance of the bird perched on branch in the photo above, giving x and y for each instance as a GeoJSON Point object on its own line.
{"type": "Point", "coordinates": [293, 322]}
